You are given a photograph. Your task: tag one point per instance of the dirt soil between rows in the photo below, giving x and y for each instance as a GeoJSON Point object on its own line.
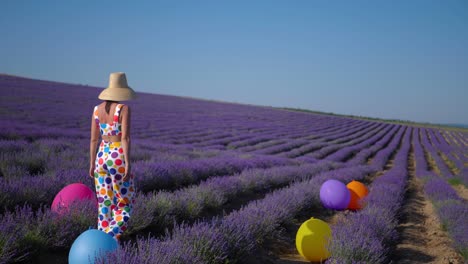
{"type": "Point", "coordinates": [281, 249]}
{"type": "Point", "coordinates": [462, 191]}
{"type": "Point", "coordinates": [421, 238]}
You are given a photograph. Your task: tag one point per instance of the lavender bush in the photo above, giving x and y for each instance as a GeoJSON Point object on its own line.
{"type": "Point", "coordinates": [366, 236]}
{"type": "Point", "coordinates": [451, 209]}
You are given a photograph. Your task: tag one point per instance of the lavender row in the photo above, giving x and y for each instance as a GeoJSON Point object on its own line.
{"type": "Point", "coordinates": [45, 156]}
{"type": "Point", "coordinates": [288, 146]}
{"type": "Point", "coordinates": [293, 149]}
{"type": "Point", "coordinates": [26, 233]}
{"type": "Point", "coordinates": [243, 137]}
{"type": "Point", "coordinates": [47, 105]}
{"type": "Point", "coordinates": [262, 145]}
{"type": "Point", "coordinates": [362, 156]}
{"type": "Point", "coordinates": [14, 130]}
{"type": "Point", "coordinates": [439, 189]}
{"type": "Point", "coordinates": [171, 118]}
{"type": "Point", "coordinates": [197, 138]}
{"type": "Point", "coordinates": [323, 129]}
{"type": "Point", "coordinates": [383, 152]}
{"type": "Point", "coordinates": [159, 210]}
{"type": "Point", "coordinates": [322, 140]}
{"type": "Point", "coordinates": [251, 129]}
{"type": "Point", "coordinates": [445, 150]}
{"type": "Point", "coordinates": [251, 141]}
{"type": "Point", "coordinates": [338, 132]}
{"type": "Point", "coordinates": [453, 214]}
{"type": "Point", "coordinates": [305, 149]}
{"type": "Point", "coordinates": [36, 191]}
{"type": "Point", "coordinates": [236, 236]}
{"type": "Point", "coordinates": [454, 139]}
{"type": "Point", "coordinates": [357, 138]}
{"type": "Point", "coordinates": [463, 138]}
{"type": "Point", "coordinates": [269, 136]}
{"type": "Point", "coordinates": [344, 153]}
{"type": "Point", "coordinates": [451, 209]}
{"type": "Point", "coordinates": [366, 236]}
{"type": "Point", "coordinates": [379, 161]}
{"type": "Point", "coordinates": [41, 189]}
{"type": "Point", "coordinates": [174, 174]}
{"type": "Point", "coordinates": [346, 133]}
{"type": "Point", "coordinates": [432, 153]}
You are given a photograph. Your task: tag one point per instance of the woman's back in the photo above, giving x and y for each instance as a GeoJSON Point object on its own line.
{"type": "Point", "coordinates": [109, 124]}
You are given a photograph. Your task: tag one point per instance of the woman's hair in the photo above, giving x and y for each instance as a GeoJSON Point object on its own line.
{"type": "Point", "coordinates": [108, 105]}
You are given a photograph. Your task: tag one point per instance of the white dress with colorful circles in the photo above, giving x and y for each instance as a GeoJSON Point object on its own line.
{"type": "Point", "coordinates": [115, 196]}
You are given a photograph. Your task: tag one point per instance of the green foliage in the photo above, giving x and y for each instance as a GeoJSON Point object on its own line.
{"type": "Point", "coordinates": [454, 181]}
{"type": "Point", "coordinates": [34, 239]}
{"type": "Point", "coordinates": [464, 254]}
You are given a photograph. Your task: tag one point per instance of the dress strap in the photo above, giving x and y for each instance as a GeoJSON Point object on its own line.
{"type": "Point", "coordinates": [96, 118]}
{"type": "Point", "coordinates": [117, 112]}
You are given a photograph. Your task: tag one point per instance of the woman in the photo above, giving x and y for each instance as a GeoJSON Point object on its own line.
{"type": "Point", "coordinates": [110, 166]}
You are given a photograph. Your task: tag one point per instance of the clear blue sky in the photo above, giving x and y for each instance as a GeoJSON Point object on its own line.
{"type": "Point", "coordinates": [389, 59]}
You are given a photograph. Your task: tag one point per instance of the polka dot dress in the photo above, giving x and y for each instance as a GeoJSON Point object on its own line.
{"type": "Point", "coordinates": [115, 196]}
{"type": "Point", "coordinates": [109, 129]}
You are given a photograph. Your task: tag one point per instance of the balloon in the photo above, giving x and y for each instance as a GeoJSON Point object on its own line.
{"type": "Point", "coordinates": [334, 195]}
{"type": "Point", "coordinates": [91, 244]}
{"type": "Point", "coordinates": [71, 193]}
{"type": "Point", "coordinates": [357, 191]}
{"type": "Point", "coordinates": [312, 239]}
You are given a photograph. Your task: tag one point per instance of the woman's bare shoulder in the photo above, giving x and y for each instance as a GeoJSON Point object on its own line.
{"type": "Point", "coordinates": [101, 104]}
{"type": "Point", "coordinates": [124, 110]}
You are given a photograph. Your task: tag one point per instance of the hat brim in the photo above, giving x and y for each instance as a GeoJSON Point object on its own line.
{"type": "Point", "coordinates": [117, 94]}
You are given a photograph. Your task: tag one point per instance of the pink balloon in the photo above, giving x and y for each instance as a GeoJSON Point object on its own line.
{"type": "Point", "coordinates": [71, 193]}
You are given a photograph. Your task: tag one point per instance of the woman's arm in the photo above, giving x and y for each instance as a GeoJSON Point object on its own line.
{"type": "Point", "coordinates": [126, 139]}
{"type": "Point", "coordinates": [93, 146]}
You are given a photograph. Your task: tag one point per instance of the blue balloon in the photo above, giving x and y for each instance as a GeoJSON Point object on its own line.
{"type": "Point", "coordinates": [91, 244]}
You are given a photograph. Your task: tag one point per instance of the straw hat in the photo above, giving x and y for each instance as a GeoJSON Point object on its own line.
{"type": "Point", "coordinates": [118, 89]}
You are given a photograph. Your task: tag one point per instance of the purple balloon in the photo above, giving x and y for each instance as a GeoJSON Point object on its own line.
{"type": "Point", "coordinates": [334, 195]}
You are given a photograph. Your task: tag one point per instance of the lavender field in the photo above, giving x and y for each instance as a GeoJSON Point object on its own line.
{"type": "Point", "coordinates": [229, 183]}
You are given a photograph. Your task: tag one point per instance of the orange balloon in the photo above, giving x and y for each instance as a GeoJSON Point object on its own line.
{"type": "Point", "coordinates": [357, 191]}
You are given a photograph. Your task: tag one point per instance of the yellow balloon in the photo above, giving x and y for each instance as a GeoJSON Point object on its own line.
{"type": "Point", "coordinates": [312, 239]}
